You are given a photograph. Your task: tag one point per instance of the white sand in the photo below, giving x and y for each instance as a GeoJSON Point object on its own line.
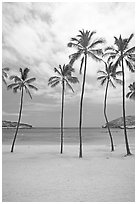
{"type": "Point", "coordinates": [40, 173]}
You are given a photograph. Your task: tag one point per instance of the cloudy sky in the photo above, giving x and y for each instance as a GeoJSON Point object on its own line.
{"type": "Point", "coordinates": [35, 35]}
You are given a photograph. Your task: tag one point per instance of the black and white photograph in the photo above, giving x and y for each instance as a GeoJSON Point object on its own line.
{"type": "Point", "coordinates": [68, 101]}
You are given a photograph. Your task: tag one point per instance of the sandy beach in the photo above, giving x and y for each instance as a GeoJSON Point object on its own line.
{"type": "Point", "coordinates": [40, 174]}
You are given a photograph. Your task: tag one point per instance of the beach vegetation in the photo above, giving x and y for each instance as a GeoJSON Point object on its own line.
{"type": "Point", "coordinates": [108, 77]}
{"type": "Point", "coordinates": [4, 74]}
{"type": "Point", "coordinates": [65, 78]}
{"type": "Point", "coordinates": [21, 83]}
{"type": "Point", "coordinates": [85, 46]}
{"type": "Point", "coordinates": [123, 56]}
{"type": "Point", "coordinates": [131, 93]}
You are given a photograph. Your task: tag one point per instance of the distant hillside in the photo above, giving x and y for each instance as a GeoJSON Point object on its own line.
{"type": "Point", "coordinates": [130, 121]}
{"type": "Point", "coordinates": [9, 124]}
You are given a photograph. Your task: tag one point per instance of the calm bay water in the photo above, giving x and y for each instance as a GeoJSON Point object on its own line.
{"type": "Point", "coordinates": [44, 136]}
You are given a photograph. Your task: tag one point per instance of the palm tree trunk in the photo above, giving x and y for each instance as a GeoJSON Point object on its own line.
{"type": "Point", "coordinates": [62, 114]}
{"type": "Point", "coordinates": [21, 103]}
{"type": "Point", "coordinates": [124, 114]}
{"type": "Point", "coordinates": [105, 101]}
{"type": "Point", "coordinates": [81, 107]}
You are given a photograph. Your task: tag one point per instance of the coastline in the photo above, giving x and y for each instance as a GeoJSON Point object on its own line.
{"type": "Point", "coordinates": [39, 173]}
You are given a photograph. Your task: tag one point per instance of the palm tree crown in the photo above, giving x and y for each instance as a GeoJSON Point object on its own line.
{"type": "Point", "coordinates": [4, 74]}
{"type": "Point", "coordinates": [64, 74]}
{"type": "Point", "coordinates": [110, 74]}
{"type": "Point", "coordinates": [122, 51]}
{"type": "Point", "coordinates": [85, 45]}
{"type": "Point", "coordinates": [120, 55]}
{"type": "Point", "coordinates": [22, 82]}
{"type": "Point", "coordinates": [131, 93]}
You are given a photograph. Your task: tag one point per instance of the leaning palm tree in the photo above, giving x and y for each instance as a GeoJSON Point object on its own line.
{"type": "Point", "coordinates": [120, 55]}
{"type": "Point", "coordinates": [109, 76]}
{"type": "Point", "coordinates": [64, 76]}
{"type": "Point", "coordinates": [4, 74]}
{"type": "Point", "coordinates": [85, 47]}
{"type": "Point", "coordinates": [131, 93]}
{"type": "Point", "coordinates": [21, 83]}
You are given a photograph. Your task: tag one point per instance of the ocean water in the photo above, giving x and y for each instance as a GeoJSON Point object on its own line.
{"type": "Point", "coordinates": [43, 136]}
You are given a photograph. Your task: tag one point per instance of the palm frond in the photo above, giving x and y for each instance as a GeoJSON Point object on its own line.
{"type": "Point", "coordinates": [103, 81]}
{"type": "Point", "coordinates": [56, 70]}
{"type": "Point", "coordinates": [15, 78]}
{"type": "Point", "coordinates": [16, 88]}
{"type": "Point", "coordinates": [130, 51]}
{"type": "Point", "coordinates": [74, 57]}
{"type": "Point", "coordinates": [117, 63]}
{"type": "Point", "coordinates": [97, 51]}
{"type": "Point", "coordinates": [97, 42]}
{"type": "Point", "coordinates": [3, 79]}
{"type": "Point", "coordinates": [27, 91]}
{"type": "Point", "coordinates": [131, 57]}
{"type": "Point", "coordinates": [112, 84]}
{"type": "Point", "coordinates": [67, 70]}
{"type": "Point", "coordinates": [69, 86]}
{"type": "Point", "coordinates": [128, 94]}
{"type": "Point", "coordinates": [119, 81]}
{"type": "Point", "coordinates": [101, 77]}
{"type": "Point", "coordinates": [4, 74]}
{"type": "Point", "coordinates": [102, 72]}
{"type": "Point", "coordinates": [91, 34]}
{"type": "Point", "coordinates": [25, 73]}
{"type": "Point", "coordinates": [10, 86]}
{"type": "Point", "coordinates": [71, 44]}
{"type": "Point", "coordinates": [32, 87]}
{"type": "Point", "coordinates": [73, 80]}
{"type": "Point", "coordinates": [53, 81]}
{"type": "Point", "coordinates": [5, 69]}
{"type": "Point", "coordinates": [130, 65]}
{"type": "Point", "coordinates": [61, 68]}
{"type": "Point", "coordinates": [54, 84]}
{"type": "Point", "coordinates": [30, 80]}
{"type": "Point", "coordinates": [75, 39]}
{"type": "Point", "coordinates": [110, 48]}
{"type": "Point", "coordinates": [53, 78]}
{"type": "Point", "coordinates": [130, 37]}
{"type": "Point", "coordinates": [93, 56]}
{"type": "Point", "coordinates": [131, 95]}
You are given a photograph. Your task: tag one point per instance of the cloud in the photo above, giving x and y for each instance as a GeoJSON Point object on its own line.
{"type": "Point", "coordinates": [35, 35]}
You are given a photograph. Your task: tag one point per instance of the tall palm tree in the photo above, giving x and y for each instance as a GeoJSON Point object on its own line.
{"type": "Point", "coordinates": [21, 83]}
{"type": "Point", "coordinates": [109, 76]}
{"type": "Point", "coordinates": [120, 55]}
{"type": "Point", "coordinates": [85, 47]}
{"type": "Point", "coordinates": [64, 76]}
{"type": "Point", "coordinates": [131, 93]}
{"type": "Point", "coordinates": [4, 74]}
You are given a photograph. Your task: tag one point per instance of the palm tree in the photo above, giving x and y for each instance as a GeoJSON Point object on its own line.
{"type": "Point", "coordinates": [131, 93]}
{"type": "Point", "coordinates": [4, 74]}
{"type": "Point", "coordinates": [85, 47]}
{"type": "Point", "coordinates": [64, 76]}
{"type": "Point", "coordinates": [123, 54]}
{"type": "Point", "coordinates": [108, 76]}
{"type": "Point", "coordinates": [21, 83]}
